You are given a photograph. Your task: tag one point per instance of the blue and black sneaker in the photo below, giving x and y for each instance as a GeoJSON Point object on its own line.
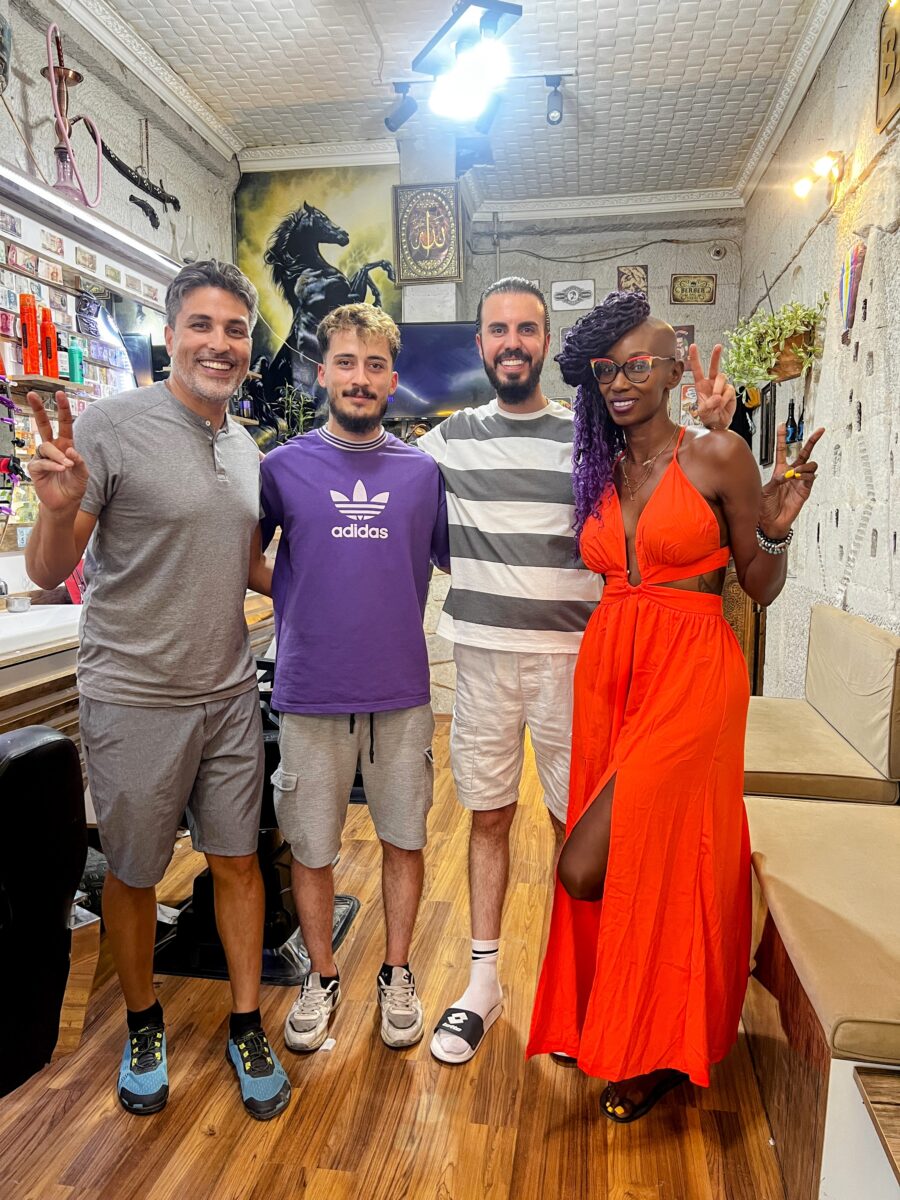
{"type": "Point", "coordinates": [265, 1088]}
{"type": "Point", "coordinates": [144, 1075]}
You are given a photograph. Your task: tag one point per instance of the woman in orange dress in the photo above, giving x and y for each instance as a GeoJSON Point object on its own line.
{"type": "Point", "coordinates": [648, 955]}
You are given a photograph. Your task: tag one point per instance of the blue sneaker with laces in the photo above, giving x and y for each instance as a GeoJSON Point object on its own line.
{"type": "Point", "coordinates": [265, 1088]}
{"type": "Point", "coordinates": [143, 1086]}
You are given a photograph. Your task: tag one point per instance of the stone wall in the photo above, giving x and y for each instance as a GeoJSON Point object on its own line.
{"type": "Point", "coordinates": [116, 99]}
{"type": "Point", "coordinates": [845, 547]}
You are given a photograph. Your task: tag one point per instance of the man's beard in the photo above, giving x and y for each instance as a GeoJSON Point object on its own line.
{"type": "Point", "coordinates": [515, 393]}
{"type": "Point", "coordinates": [199, 386]}
{"type": "Point", "coordinates": [355, 422]}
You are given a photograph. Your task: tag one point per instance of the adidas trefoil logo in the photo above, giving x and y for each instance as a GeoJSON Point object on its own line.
{"type": "Point", "coordinates": [359, 509]}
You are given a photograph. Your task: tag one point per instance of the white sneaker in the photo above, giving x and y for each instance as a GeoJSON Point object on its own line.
{"type": "Point", "coordinates": [306, 1025]}
{"type": "Point", "coordinates": [402, 1019]}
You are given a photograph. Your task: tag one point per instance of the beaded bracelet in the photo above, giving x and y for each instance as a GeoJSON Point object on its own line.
{"type": "Point", "coordinates": [774, 545]}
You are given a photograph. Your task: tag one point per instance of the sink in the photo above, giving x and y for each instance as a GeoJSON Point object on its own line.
{"type": "Point", "coordinates": [39, 627]}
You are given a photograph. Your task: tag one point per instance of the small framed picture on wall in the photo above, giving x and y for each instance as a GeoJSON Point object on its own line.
{"type": "Point", "coordinates": [684, 335]}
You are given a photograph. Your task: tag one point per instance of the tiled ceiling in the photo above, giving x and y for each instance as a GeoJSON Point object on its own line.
{"type": "Point", "coordinates": [667, 95]}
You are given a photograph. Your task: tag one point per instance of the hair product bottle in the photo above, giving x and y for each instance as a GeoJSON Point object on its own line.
{"type": "Point", "coordinates": [31, 355]}
{"type": "Point", "coordinates": [49, 345]}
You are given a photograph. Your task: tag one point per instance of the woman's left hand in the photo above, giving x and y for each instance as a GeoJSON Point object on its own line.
{"type": "Point", "coordinates": [789, 488]}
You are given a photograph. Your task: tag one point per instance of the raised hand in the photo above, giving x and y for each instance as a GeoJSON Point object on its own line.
{"type": "Point", "coordinates": [716, 398]}
{"type": "Point", "coordinates": [58, 472]}
{"type": "Point", "coordinates": [789, 488]}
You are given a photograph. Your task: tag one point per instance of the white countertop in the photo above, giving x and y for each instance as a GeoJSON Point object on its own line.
{"type": "Point", "coordinates": [38, 628]}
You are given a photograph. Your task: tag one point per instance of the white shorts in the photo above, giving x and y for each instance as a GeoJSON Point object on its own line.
{"type": "Point", "coordinates": [498, 693]}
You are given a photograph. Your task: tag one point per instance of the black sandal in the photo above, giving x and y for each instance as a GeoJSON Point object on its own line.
{"type": "Point", "coordinates": [637, 1111]}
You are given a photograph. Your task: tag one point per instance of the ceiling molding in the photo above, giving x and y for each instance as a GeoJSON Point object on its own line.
{"type": "Point", "coordinates": [824, 22]}
{"type": "Point", "coordinates": [105, 25]}
{"type": "Point", "coordinates": [567, 207]}
{"type": "Point", "coordinates": [319, 154]}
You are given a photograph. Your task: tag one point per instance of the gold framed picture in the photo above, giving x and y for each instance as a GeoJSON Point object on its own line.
{"type": "Point", "coordinates": [427, 233]}
{"type": "Point", "coordinates": [693, 289]}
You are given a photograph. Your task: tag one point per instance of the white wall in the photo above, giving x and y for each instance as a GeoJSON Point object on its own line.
{"type": "Point", "coordinates": [845, 548]}
{"type": "Point", "coordinates": [117, 100]}
{"type": "Point", "coordinates": [675, 249]}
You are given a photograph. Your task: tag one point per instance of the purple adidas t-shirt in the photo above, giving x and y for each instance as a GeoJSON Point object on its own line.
{"type": "Point", "coordinates": [360, 527]}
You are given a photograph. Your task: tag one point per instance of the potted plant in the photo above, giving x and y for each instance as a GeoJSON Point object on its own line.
{"type": "Point", "coordinates": [776, 346]}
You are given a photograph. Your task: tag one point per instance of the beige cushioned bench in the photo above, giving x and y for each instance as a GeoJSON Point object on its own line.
{"type": "Point", "coordinates": [830, 877]}
{"type": "Point", "coordinates": [842, 742]}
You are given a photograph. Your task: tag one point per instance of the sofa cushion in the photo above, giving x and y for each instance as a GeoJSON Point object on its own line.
{"type": "Point", "coordinates": [793, 751]}
{"type": "Point", "coordinates": [829, 875]}
{"type": "Point", "coordinates": [853, 680]}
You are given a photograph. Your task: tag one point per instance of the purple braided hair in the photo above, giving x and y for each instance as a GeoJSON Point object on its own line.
{"type": "Point", "coordinates": [598, 440]}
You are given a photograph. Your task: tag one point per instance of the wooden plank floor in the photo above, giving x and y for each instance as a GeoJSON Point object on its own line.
{"type": "Point", "coordinates": [369, 1122]}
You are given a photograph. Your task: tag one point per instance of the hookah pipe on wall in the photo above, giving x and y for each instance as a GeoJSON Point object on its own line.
{"type": "Point", "coordinates": [61, 78]}
{"type": "Point", "coordinates": [65, 77]}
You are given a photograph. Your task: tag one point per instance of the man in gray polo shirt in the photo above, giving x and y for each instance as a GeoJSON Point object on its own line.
{"type": "Point", "coordinates": [168, 486]}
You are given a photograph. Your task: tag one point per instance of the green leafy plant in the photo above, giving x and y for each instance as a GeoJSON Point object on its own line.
{"type": "Point", "coordinates": [756, 342]}
{"type": "Point", "coordinates": [298, 409]}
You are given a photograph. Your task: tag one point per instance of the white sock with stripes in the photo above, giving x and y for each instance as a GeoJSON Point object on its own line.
{"type": "Point", "coordinates": [483, 993]}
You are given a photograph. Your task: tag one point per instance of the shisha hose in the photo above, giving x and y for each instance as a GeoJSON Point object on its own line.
{"type": "Point", "coordinates": [63, 124]}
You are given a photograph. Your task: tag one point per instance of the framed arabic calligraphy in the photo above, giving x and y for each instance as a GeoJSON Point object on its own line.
{"type": "Point", "coordinates": [427, 237]}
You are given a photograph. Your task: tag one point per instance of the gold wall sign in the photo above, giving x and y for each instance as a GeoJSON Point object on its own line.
{"type": "Point", "coordinates": [427, 233]}
{"type": "Point", "coordinates": [693, 289]}
{"type": "Point", "coordinates": [887, 100]}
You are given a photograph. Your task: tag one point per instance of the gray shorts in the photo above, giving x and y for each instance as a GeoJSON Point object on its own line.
{"type": "Point", "coordinates": [147, 766]}
{"type": "Point", "coordinates": [318, 765]}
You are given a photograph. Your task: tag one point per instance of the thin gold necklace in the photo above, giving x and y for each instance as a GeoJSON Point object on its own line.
{"type": "Point", "coordinates": [633, 489]}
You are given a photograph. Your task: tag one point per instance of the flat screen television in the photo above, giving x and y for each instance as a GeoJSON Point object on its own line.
{"type": "Point", "coordinates": [440, 370]}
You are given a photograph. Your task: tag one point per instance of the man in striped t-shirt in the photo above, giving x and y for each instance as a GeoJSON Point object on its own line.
{"type": "Point", "coordinates": [519, 601]}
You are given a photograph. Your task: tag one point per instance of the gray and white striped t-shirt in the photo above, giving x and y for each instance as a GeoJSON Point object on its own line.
{"type": "Point", "coordinates": [516, 583]}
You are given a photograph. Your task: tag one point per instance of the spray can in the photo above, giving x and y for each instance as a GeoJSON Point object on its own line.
{"type": "Point", "coordinates": [31, 355]}
{"type": "Point", "coordinates": [76, 364]}
{"type": "Point", "coordinates": [49, 345]}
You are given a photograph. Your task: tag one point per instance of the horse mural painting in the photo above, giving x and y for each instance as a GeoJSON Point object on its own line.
{"type": "Point", "coordinates": [312, 287]}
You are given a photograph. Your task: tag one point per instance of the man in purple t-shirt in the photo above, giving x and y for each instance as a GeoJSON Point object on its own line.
{"type": "Point", "coordinates": [362, 518]}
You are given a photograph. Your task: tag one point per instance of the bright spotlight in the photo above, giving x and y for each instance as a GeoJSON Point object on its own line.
{"type": "Point", "coordinates": [463, 92]}
{"type": "Point", "coordinates": [824, 165]}
{"type": "Point", "coordinates": [802, 188]}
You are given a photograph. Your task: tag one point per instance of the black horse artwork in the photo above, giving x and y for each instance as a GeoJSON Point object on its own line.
{"type": "Point", "coordinates": [312, 287]}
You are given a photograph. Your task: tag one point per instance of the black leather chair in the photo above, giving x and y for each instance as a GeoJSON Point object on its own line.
{"type": "Point", "coordinates": [42, 856]}
{"type": "Point", "coordinates": [193, 947]}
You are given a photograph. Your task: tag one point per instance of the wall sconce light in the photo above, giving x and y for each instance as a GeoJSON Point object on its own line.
{"type": "Point", "coordinates": [406, 107]}
{"type": "Point", "coordinates": [554, 100]}
{"type": "Point", "coordinates": [829, 166]}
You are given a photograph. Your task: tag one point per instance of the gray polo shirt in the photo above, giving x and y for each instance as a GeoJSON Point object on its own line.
{"type": "Point", "coordinates": [176, 504]}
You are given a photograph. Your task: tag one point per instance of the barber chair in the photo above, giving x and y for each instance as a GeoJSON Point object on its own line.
{"type": "Point", "coordinates": [42, 855]}
{"type": "Point", "coordinates": [192, 946]}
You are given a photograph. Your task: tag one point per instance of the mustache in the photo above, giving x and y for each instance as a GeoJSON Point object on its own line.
{"type": "Point", "coordinates": [359, 393]}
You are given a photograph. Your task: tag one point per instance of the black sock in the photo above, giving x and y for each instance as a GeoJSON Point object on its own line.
{"type": "Point", "coordinates": [328, 980]}
{"type": "Point", "coordinates": [386, 971]}
{"type": "Point", "coordinates": [147, 1016]}
{"type": "Point", "coordinates": [241, 1023]}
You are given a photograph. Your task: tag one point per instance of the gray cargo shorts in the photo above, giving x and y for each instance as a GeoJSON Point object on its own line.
{"type": "Point", "coordinates": [318, 764]}
{"type": "Point", "coordinates": [148, 766]}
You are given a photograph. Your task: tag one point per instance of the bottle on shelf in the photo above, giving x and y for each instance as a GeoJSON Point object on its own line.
{"type": "Point", "coordinates": [76, 363]}
{"type": "Point", "coordinates": [31, 355]}
{"type": "Point", "coordinates": [49, 346]}
{"type": "Point", "coordinates": [801, 426]}
{"type": "Point", "coordinates": [790, 428]}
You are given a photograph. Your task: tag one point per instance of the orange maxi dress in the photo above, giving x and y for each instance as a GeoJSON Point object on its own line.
{"type": "Point", "coordinates": [654, 974]}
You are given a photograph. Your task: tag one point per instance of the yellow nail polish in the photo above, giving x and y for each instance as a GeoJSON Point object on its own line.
{"type": "Point", "coordinates": [791, 474]}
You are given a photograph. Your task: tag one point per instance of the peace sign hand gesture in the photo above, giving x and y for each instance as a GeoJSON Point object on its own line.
{"type": "Point", "coordinates": [788, 489]}
{"type": "Point", "coordinates": [58, 472]}
{"type": "Point", "coordinates": [716, 398]}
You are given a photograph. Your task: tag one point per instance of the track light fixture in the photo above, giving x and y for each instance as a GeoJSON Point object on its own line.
{"type": "Point", "coordinates": [554, 100]}
{"type": "Point", "coordinates": [406, 106]}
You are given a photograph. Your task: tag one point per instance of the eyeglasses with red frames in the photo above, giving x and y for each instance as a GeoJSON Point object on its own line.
{"type": "Point", "coordinates": [636, 369]}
